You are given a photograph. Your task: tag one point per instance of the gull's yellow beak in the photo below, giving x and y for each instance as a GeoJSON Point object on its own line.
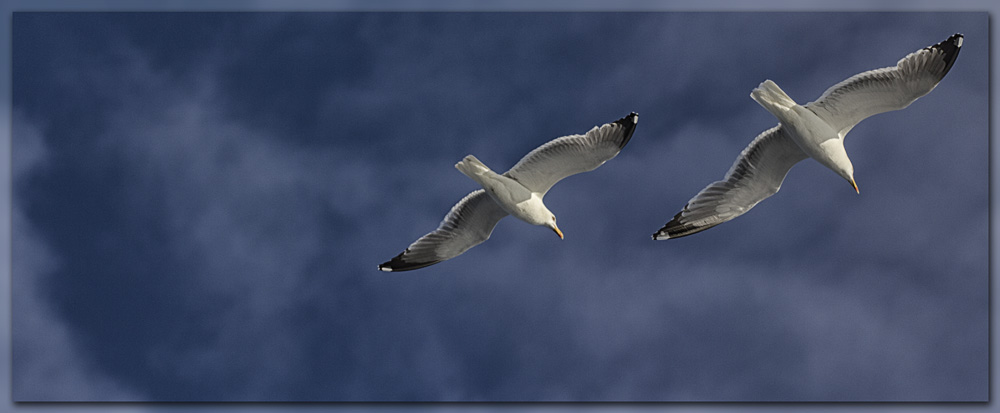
{"type": "Point", "coordinates": [855, 186]}
{"type": "Point", "coordinates": [558, 232]}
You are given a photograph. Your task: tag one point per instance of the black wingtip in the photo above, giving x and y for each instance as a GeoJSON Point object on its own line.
{"type": "Point", "coordinates": [387, 266]}
{"type": "Point", "coordinates": [676, 229]}
{"type": "Point", "coordinates": [949, 50]}
{"type": "Point", "coordinates": [672, 229]}
{"type": "Point", "coordinates": [397, 264]}
{"type": "Point", "coordinates": [628, 122]}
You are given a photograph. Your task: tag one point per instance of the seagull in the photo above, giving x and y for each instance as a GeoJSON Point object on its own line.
{"type": "Point", "coordinates": [517, 192]}
{"type": "Point", "coordinates": [814, 130]}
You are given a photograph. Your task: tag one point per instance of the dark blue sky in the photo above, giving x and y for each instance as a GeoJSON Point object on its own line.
{"type": "Point", "coordinates": [200, 201]}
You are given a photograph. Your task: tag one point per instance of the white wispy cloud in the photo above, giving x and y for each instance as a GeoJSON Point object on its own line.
{"type": "Point", "coordinates": [47, 362]}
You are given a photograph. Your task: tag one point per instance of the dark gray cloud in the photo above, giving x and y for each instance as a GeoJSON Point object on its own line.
{"type": "Point", "coordinates": [218, 189]}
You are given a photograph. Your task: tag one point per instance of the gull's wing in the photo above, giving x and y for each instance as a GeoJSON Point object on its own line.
{"type": "Point", "coordinates": [468, 224]}
{"type": "Point", "coordinates": [756, 175]}
{"type": "Point", "coordinates": [890, 88]}
{"type": "Point", "coordinates": [568, 155]}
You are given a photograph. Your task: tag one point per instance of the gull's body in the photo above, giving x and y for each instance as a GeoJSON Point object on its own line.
{"type": "Point", "coordinates": [518, 192]}
{"type": "Point", "coordinates": [814, 130]}
{"type": "Point", "coordinates": [513, 197]}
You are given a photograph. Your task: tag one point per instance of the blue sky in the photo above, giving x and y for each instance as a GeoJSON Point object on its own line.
{"type": "Point", "coordinates": [200, 202]}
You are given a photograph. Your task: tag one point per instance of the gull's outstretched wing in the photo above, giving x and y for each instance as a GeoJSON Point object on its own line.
{"type": "Point", "coordinates": [568, 155]}
{"type": "Point", "coordinates": [756, 175]}
{"type": "Point", "coordinates": [891, 88]}
{"type": "Point", "coordinates": [469, 223]}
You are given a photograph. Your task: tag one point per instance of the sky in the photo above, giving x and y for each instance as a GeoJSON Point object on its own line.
{"type": "Point", "coordinates": [200, 201]}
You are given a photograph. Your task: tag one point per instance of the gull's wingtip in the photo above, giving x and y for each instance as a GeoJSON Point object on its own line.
{"type": "Point", "coordinates": [680, 227]}
{"type": "Point", "coordinates": [671, 229]}
{"type": "Point", "coordinates": [952, 43]}
{"type": "Point", "coordinates": [949, 50]}
{"type": "Point", "coordinates": [399, 263]}
{"type": "Point", "coordinates": [628, 120]}
{"type": "Point", "coordinates": [628, 123]}
{"type": "Point", "coordinates": [957, 39]}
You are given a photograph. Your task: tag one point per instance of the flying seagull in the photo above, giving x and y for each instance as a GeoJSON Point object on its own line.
{"type": "Point", "coordinates": [815, 130]}
{"type": "Point", "coordinates": [517, 192]}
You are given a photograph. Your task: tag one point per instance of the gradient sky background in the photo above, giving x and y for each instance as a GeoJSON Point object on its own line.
{"type": "Point", "coordinates": [200, 201]}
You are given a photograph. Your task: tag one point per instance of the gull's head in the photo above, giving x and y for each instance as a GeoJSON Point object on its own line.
{"type": "Point", "coordinates": [848, 174]}
{"type": "Point", "coordinates": [835, 158]}
{"type": "Point", "coordinates": [551, 223]}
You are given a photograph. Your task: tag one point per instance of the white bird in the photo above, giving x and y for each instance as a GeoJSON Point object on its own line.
{"type": "Point", "coordinates": [517, 192]}
{"type": "Point", "coordinates": [814, 130]}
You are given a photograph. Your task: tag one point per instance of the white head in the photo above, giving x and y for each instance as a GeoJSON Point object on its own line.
{"type": "Point", "coordinates": [849, 176]}
{"type": "Point", "coordinates": [837, 160]}
{"type": "Point", "coordinates": [539, 214]}
{"type": "Point", "coordinates": [551, 223]}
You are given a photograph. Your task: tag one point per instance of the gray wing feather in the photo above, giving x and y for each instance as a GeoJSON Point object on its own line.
{"type": "Point", "coordinates": [469, 223]}
{"type": "Point", "coordinates": [569, 155]}
{"type": "Point", "coordinates": [891, 88]}
{"type": "Point", "coordinates": [757, 174]}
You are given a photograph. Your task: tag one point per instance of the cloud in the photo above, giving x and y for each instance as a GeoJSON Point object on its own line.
{"type": "Point", "coordinates": [232, 213]}
{"type": "Point", "coordinates": [47, 362]}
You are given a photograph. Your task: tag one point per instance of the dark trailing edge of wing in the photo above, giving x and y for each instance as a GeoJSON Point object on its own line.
{"type": "Point", "coordinates": [628, 123]}
{"type": "Point", "coordinates": [950, 48]}
{"type": "Point", "coordinates": [397, 264]}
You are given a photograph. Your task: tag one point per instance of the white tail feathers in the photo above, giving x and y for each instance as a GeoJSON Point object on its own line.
{"type": "Point", "coordinates": [772, 98]}
{"type": "Point", "coordinates": [472, 167]}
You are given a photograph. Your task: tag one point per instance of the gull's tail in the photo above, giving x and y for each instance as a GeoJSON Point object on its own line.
{"type": "Point", "coordinates": [772, 98]}
{"type": "Point", "coordinates": [472, 167]}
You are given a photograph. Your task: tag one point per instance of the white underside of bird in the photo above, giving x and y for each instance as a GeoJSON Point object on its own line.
{"type": "Point", "coordinates": [816, 137]}
{"type": "Point", "coordinates": [814, 130]}
{"type": "Point", "coordinates": [514, 198]}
